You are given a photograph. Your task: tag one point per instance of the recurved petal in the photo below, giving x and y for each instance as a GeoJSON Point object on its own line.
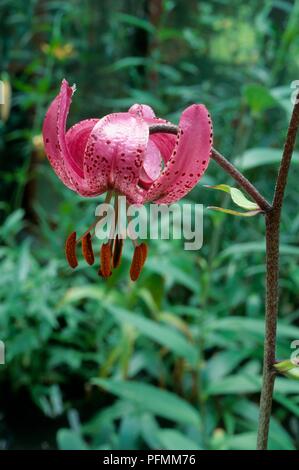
{"type": "Point", "coordinates": [59, 149]}
{"type": "Point", "coordinates": [189, 159]}
{"type": "Point", "coordinates": [53, 130]}
{"type": "Point", "coordinates": [114, 154]}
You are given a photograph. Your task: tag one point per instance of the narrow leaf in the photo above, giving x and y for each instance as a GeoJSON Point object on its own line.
{"type": "Point", "coordinates": [164, 335]}
{"type": "Point", "coordinates": [149, 398]}
{"type": "Point", "coordinates": [288, 368]}
{"type": "Point", "coordinates": [237, 196]}
{"type": "Point", "coordinates": [235, 213]}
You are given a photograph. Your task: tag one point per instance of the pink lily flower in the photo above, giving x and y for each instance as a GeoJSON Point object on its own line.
{"type": "Point", "coordinates": [117, 154]}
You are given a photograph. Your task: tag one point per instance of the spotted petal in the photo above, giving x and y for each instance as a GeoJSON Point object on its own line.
{"type": "Point", "coordinates": [114, 154]}
{"type": "Point", "coordinates": [53, 133]}
{"type": "Point", "coordinates": [163, 141]}
{"type": "Point", "coordinates": [189, 159]}
{"type": "Point", "coordinates": [76, 140]}
{"type": "Point", "coordinates": [65, 151]}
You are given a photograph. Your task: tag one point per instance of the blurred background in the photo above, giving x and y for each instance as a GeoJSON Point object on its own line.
{"type": "Point", "coordinates": [174, 360]}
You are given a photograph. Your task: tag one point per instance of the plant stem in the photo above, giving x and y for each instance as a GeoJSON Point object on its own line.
{"type": "Point", "coordinates": [273, 216]}
{"type": "Point", "coordinates": [225, 164]}
{"type": "Point", "coordinates": [272, 269]}
{"type": "Point", "coordinates": [240, 178]}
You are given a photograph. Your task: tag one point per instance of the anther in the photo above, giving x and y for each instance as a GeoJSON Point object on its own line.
{"type": "Point", "coordinates": [70, 250]}
{"type": "Point", "coordinates": [117, 251]}
{"type": "Point", "coordinates": [106, 258]}
{"type": "Point", "coordinates": [143, 248]}
{"type": "Point", "coordinates": [138, 261]}
{"type": "Point", "coordinates": [87, 250]}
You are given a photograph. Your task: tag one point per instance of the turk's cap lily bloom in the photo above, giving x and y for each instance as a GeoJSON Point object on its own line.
{"type": "Point", "coordinates": [118, 155]}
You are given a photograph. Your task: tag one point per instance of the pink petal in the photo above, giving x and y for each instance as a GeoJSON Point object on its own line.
{"type": "Point", "coordinates": [164, 142]}
{"type": "Point", "coordinates": [66, 151]}
{"type": "Point", "coordinates": [76, 140]}
{"type": "Point", "coordinates": [114, 154]}
{"type": "Point", "coordinates": [53, 133]}
{"type": "Point", "coordinates": [189, 158]}
{"type": "Point", "coordinates": [143, 110]}
{"type": "Point", "coordinates": [152, 165]}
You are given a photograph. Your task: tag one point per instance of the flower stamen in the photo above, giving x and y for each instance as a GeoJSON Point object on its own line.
{"type": "Point", "coordinates": [106, 258]}
{"type": "Point", "coordinates": [138, 261]}
{"type": "Point", "coordinates": [70, 250]}
{"type": "Point", "coordinates": [143, 247]}
{"type": "Point", "coordinates": [87, 250]}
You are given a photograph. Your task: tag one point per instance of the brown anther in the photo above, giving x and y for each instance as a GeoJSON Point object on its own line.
{"type": "Point", "coordinates": [106, 258]}
{"type": "Point", "coordinates": [87, 250]}
{"type": "Point", "coordinates": [138, 261]}
{"type": "Point", "coordinates": [117, 251]}
{"type": "Point", "coordinates": [70, 250]}
{"type": "Point", "coordinates": [143, 248]}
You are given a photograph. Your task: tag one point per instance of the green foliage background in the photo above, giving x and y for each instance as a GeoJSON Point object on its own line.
{"type": "Point", "coordinates": [174, 360]}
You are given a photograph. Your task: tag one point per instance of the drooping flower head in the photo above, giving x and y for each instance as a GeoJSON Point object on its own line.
{"type": "Point", "coordinates": [117, 154]}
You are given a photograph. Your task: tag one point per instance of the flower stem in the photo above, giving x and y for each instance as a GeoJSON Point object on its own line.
{"type": "Point", "coordinates": [272, 269]}
{"type": "Point", "coordinates": [240, 178]}
{"type": "Point", "coordinates": [225, 164]}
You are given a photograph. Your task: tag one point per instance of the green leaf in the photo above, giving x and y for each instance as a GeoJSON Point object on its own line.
{"type": "Point", "coordinates": [75, 294]}
{"type": "Point", "coordinates": [241, 249]}
{"type": "Point", "coordinates": [293, 373]}
{"type": "Point", "coordinates": [286, 386]}
{"type": "Point", "coordinates": [168, 337]}
{"type": "Point", "coordinates": [149, 431]}
{"type": "Point", "coordinates": [284, 366]}
{"type": "Point", "coordinates": [241, 383]}
{"type": "Point", "coordinates": [222, 363]}
{"type": "Point", "coordinates": [288, 403]}
{"type": "Point", "coordinates": [171, 439]}
{"type": "Point", "coordinates": [173, 271]}
{"type": "Point", "coordinates": [260, 156]}
{"type": "Point", "coordinates": [135, 21]}
{"type": "Point", "coordinates": [237, 196]}
{"type": "Point", "coordinates": [12, 225]}
{"type": "Point", "coordinates": [258, 97]}
{"type": "Point", "coordinates": [126, 62]}
{"type": "Point", "coordinates": [70, 440]}
{"type": "Point", "coordinates": [106, 416]}
{"type": "Point", "coordinates": [235, 384]}
{"type": "Point", "coordinates": [288, 368]}
{"type": "Point", "coordinates": [149, 398]}
{"type": "Point", "coordinates": [232, 212]}
{"type": "Point", "coordinates": [244, 441]}
{"type": "Point", "coordinates": [251, 325]}
{"type": "Point", "coordinates": [278, 437]}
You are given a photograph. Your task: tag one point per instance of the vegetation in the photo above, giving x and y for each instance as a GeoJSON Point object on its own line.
{"type": "Point", "coordinates": [173, 361]}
